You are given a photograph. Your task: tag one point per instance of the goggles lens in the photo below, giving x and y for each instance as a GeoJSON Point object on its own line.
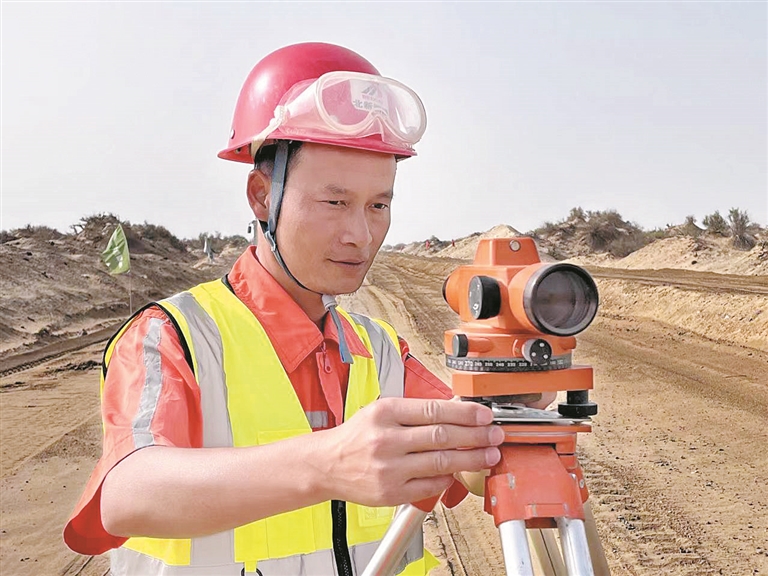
{"type": "Point", "coordinates": [353, 105]}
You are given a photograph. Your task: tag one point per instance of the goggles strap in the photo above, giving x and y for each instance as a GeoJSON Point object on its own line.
{"type": "Point", "coordinates": [269, 229]}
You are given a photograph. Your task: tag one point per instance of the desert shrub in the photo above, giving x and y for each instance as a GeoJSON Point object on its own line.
{"type": "Point", "coordinates": [715, 224]}
{"type": "Point", "coordinates": [607, 231]}
{"type": "Point", "coordinates": [689, 228]}
{"type": "Point", "coordinates": [603, 228]}
{"type": "Point", "coordinates": [236, 241]}
{"type": "Point", "coordinates": [577, 213]}
{"type": "Point", "coordinates": [158, 233]}
{"type": "Point", "coordinates": [741, 229]}
{"type": "Point", "coordinates": [96, 227]}
{"type": "Point", "coordinates": [38, 232]}
{"type": "Point", "coordinates": [657, 234]}
{"type": "Point", "coordinates": [7, 236]}
{"type": "Point", "coordinates": [547, 228]}
{"type": "Point", "coordinates": [763, 252]}
{"type": "Point", "coordinates": [626, 244]}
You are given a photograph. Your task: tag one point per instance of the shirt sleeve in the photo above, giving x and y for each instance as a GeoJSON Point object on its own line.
{"type": "Point", "coordinates": [420, 382]}
{"type": "Point", "coordinates": [150, 398]}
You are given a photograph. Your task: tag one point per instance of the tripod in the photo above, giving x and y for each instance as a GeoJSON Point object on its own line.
{"type": "Point", "coordinates": [537, 484]}
{"type": "Point", "coordinates": [519, 318]}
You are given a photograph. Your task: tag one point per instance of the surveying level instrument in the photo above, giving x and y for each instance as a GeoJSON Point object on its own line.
{"type": "Point", "coordinates": [519, 317]}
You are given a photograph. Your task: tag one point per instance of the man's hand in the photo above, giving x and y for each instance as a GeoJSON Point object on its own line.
{"type": "Point", "coordinates": [475, 481]}
{"type": "Point", "coordinates": [399, 450]}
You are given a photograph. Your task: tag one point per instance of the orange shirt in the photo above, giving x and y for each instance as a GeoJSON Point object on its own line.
{"type": "Point", "coordinates": [310, 357]}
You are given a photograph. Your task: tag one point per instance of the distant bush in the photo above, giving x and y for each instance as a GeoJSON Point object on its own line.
{"type": "Point", "coordinates": [592, 231]}
{"type": "Point", "coordinates": [689, 228]}
{"type": "Point", "coordinates": [577, 214]}
{"type": "Point", "coordinates": [763, 252]}
{"type": "Point", "coordinates": [96, 227]}
{"type": "Point", "coordinates": [547, 228]}
{"type": "Point", "coordinates": [624, 245]}
{"type": "Point", "coordinates": [157, 233]}
{"type": "Point", "coordinates": [716, 225]}
{"type": "Point", "coordinates": [741, 230]}
{"type": "Point", "coordinates": [606, 231]}
{"type": "Point", "coordinates": [218, 242]}
{"type": "Point", "coordinates": [37, 232]}
{"type": "Point", "coordinates": [657, 234]}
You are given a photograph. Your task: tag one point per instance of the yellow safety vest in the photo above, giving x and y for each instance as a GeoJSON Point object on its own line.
{"type": "Point", "coordinates": [247, 399]}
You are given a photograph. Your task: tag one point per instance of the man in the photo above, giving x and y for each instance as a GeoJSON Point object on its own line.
{"type": "Point", "coordinates": [250, 426]}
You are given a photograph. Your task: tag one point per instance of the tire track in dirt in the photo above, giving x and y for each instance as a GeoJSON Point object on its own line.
{"type": "Point", "coordinates": [687, 279]}
{"type": "Point", "coordinates": [20, 362]}
{"type": "Point", "coordinates": [642, 528]}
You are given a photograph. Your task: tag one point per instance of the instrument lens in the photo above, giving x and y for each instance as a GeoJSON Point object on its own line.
{"type": "Point", "coordinates": [565, 301]}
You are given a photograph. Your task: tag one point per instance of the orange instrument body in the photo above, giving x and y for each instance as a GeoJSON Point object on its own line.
{"type": "Point", "coordinates": [519, 318]}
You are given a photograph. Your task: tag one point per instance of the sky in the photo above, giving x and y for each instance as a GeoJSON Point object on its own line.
{"type": "Point", "coordinates": [658, 110]}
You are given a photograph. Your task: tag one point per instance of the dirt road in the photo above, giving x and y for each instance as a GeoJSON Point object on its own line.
{"type": "Point", "coordinates": [676, 463]}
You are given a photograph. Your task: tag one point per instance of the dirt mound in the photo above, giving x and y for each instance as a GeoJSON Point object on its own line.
{"type": "Point", "coordinates": [458, 248]}
{"type": "Point", "coordinates": [590, 232]}
{"type": "Point", "coordinates": [465, 248]}
{"type": "Point", "coordinates": [704, 253]}
{"type": "Point", "coordinates": [55, 285]}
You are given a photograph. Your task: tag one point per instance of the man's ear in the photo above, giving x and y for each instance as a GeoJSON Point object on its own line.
{"type": "Point", "coordinates": [258, 194]}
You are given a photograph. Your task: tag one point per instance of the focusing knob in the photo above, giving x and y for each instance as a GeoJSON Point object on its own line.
{"type": "Point", "coordinates": [484, 297]}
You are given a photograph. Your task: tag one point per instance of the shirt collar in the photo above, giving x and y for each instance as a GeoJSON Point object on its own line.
{"type": "Point", "coordinates": [292, 333]}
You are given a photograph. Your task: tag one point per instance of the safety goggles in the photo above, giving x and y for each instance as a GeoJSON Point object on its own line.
{"type": "Point", "coordinates": [349, 105]}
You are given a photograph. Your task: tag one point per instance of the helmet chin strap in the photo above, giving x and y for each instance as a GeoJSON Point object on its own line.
{"type": "Point", "coordinates": [269, 229]}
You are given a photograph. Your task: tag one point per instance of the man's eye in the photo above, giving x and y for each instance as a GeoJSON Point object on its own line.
{"type": "Point", "coordinates": [381, 206]}
{"type": "Point", "coordinates": [335, 202]}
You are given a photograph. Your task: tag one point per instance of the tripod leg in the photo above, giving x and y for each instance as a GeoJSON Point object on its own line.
{"type": "Point", "coordinates": [599, 563]}
{"type": "Point", "coordinates": [514, 546]}
{"type": "Point", "coordinates": [547, 552]}
{"type": "Point", "coordinates": [407, 522]}
{"type": "Point", "coordinates": [573, 538]}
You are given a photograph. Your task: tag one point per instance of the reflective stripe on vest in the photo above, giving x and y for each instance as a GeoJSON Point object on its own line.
{"type": "Point", "coordinates": [237, 413]}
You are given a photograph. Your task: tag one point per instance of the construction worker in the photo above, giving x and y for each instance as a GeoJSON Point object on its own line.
{"type": "Point", "coordinates": [250, 425]}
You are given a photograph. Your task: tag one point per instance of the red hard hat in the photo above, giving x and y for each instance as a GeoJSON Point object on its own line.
{"type": "Point", "coordinates": [271, 79]}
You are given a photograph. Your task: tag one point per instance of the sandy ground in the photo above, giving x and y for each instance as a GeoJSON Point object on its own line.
{"type": "Point", "coordinates": [676, 463]}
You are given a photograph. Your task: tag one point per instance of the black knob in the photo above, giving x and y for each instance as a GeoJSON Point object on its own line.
{"type": "Point", "coordinates": [484, 297]}
{"type": "Point", "coordinates": [577, 405]}
{"type": "Point", "coordinates": [460, 345]}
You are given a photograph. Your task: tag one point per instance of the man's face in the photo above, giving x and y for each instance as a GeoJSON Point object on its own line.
{"type": "Point", "coordinates": [335, 215]}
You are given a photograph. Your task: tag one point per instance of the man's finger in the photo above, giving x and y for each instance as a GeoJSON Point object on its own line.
{"type": "Point", "coordinates": [418, 412]}
{"type": "Point", "coordinates": [451, 437]}
{"type": "Point", "coordinates": [443, 462]}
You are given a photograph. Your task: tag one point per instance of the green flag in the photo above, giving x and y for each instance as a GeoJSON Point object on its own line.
{"type": "Point", "coordinates": [116, 256]}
